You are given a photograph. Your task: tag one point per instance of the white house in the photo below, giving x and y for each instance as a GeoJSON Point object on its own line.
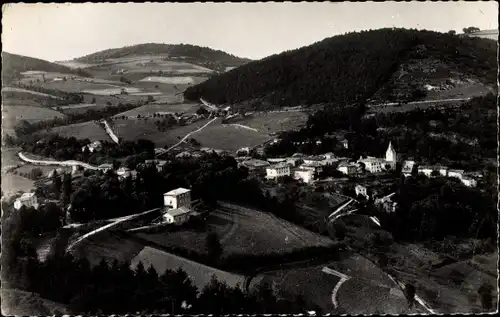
{"type": "Point", "coordinates": [277, 171]}
{"type": "Point", "coordinates": [123, 172]}
{"type": "Point", "coordinates": [347, 169]}
{"type": "Point", "coordinates": [178, 215]}
{"type": "Point", "coordinates": [456, 173]}
{"type": "Point", "coordinates": [372, 164]}
{"type": "Point", "coordinates": [426, 170]}
{"type": "Point", "coordinates": [345, 143]}
{"type": "Point", "coordinates": [307, 176]}
{"type": "Point", "coordinates": [315, 167]}
{"type": "Point", "coordinates": [180, 197]}
{"type": "Point", "coordinates": [361, 190]}
{"type": "Point", "coordinates": [407, 167]}
{"type": "Point", "coordinates": [256, 168]}
{"type": "Point", "coordinates": [469, 181]}
{"type": "Point", "coordinates": [26, 199]}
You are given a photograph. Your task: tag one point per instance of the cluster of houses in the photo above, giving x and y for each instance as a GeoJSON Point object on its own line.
{"type": "Point", "coordinates": [27, 200]}
{"type": "Point", "coordinates": [298, 166]}
{"type": "Point", "coordinates": [94, 146]}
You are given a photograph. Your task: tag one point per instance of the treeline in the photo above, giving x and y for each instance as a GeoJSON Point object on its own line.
{"type": "Point", "coordinates": [26, 128]}
{"type": "Point", "coordinates": [343, 69]}
{"type": "Point", "coordinates": [62, 148]}
{"type": "Point", "coordinates": [177, 50]}
{"type": "Point", "coordinates": [435, 208]}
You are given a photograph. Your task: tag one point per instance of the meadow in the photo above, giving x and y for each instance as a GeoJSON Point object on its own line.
{"type": "Point", "coordinates": [242, 231]}
{"type": "Point", "coordinates": [83, 130]}
{"type": "Point", "coordinates": [151, 109]}
{"type": "Point", "coordinates": [229, 137]}
{"type": "Point", "coordinates": [274, 121]}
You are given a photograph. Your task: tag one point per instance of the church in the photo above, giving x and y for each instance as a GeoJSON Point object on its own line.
{"type": "Point", "coordinates": [377, 165]}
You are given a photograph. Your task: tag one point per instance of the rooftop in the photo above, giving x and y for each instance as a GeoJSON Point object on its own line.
{"type": "Point", "coordinates": [279, 165]}
{"type": "Point", "coordinates": [177, 191]}
{"type": "Point", "coordinates": [255, 163]}
{"type": "Point", "coordinates": [178, 211]}
{"type": "Point", "coordinates": [27, 195]}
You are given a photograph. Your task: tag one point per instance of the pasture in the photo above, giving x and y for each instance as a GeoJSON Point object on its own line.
{"type": "Point", "coordinates": [11, 184]}
{"type": "Point", "coordinates": [28, 92]}
{"type": "Point", "coordinates": [151, 109]}
{"type": "Point", "coordinates": [274, 122]}
{"type": "Point", "coordinates": [9, 156]}
{"type": "Point", "coordinates": [85, 130]}
{"type": "Point", "coordinates": [243, 230]}
{"type": "Point", "coordinates": [134, 129]}
{"type": "Point", "coordinates": [12, 115]}
{"type": "Point", "coordinates": [229, 137]}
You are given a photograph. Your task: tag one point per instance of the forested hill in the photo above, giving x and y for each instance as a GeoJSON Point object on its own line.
{"type": "Point", "coordinates": [177, 50]}
{"type": "Point", "coordinates": [347, 68]}
{"type": "Point", "coordinates": [13, 65]}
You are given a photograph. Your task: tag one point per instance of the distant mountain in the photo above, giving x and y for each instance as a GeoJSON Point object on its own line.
{"type": "Point", "coordinates": [204, 56]}
{"type": "Point", "coordinates": [13, 65]}
{"type": "Point", "coordinates": [354, 67]}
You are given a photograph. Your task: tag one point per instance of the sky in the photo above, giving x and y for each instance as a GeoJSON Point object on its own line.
{"type": "Point", "coordinates": [57, 32]}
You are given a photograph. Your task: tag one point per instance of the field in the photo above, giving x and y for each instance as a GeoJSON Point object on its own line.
{"type": "Point", "coordinates": [151, 109]}
{"type": "Point", "coordinates": [200, 274]}
{"type": "Point", "coordinates": [11, 184]}
{"type": "Point", "coordinates": [229, 137]}
{"type": "Point", "coordinates": [243, 230]}
{"type": "Point", "coordinates": [83, 130]}
{"type": "Point", "coordinates": [366, 283]}
{"type": "Point", "coordinates": [11, 115]}
{"type": "Point", "coordinates": [134, 129]}
{"type": "Point", "coordinates": [108, 245]}
{"type": "Point", "coordinates": [26, 168]}
{"type": "Point", "coordinates": [9, 156]}
{"type": "Point", "coordinates": [29, 92]}
{"type": "Point", "coordinates": [274, 122]}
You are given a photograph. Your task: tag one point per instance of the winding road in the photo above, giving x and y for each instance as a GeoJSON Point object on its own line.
{"type": "Point", "coordinates": [58, 163]}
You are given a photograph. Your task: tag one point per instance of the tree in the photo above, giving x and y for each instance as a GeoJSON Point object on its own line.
{"type": "Point", "coordinates": [410, 294]}
{"type": "Point", "coordinates": [93, 100]}
{"type": "Point", "coordinates": [471, 29]}
{"type": "Point", "coordinates": [452, 32]}
{"type": "Point", "coordinates": [36, 173]}
{"type": "Point", "coordinates": [56, 184]}
{"type": "Point", "coordinates": [214, 247]}
{"type": "Point", "coordinates": [67, 188]}
{"type": "Point", "coordinates": [485, 293]}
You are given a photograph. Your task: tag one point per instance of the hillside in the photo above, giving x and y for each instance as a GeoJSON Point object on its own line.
{"type": "Point", "coordinates": [353, 67]}
{"type": "Point", "coordinates": [485, 34]}
{"type": "Point", "coordinates": [207, 57]}
{"type": "Point", "coordinates": [13, 65]}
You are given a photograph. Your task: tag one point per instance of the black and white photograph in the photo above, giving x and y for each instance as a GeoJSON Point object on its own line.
{"type": "Point", "coordinates": [281, 158]}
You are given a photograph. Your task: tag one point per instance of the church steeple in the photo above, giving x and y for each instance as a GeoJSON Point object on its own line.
{"type": "Point", "coordinates": [390, 154]}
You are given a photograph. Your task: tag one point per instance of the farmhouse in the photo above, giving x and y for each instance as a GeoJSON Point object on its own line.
{"type": "Point", "coordinates": [160, 164]}
{"type": "Point", "coordinates": [27, 200]}
{"type": "Point", "coordinates": [124, 172]}
{"type": "Point", "coordinates": [347, 168]}
{"type": "Point", "coordinates": [307, 176]}
{"type": "Point", "coordinates": [256, 168]}
{"type": "Point", "coordinates": [278, 170]}
{"type": "Point", "coordinates": [456, 173]}
{"type": "Point", "coordinates": [177, 216]}
{"type": "Point", "coordinates": [180, 197]}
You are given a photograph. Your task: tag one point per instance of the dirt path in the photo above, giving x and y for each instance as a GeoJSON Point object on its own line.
{"type": "Point", "coordinates": [189, 134]}
{"type": "Point", "coordinates": [110, 132]}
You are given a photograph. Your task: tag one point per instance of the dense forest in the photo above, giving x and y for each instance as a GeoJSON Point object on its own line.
{"type": "Point", "coordinates": [344, 69]}
{"type": "Point", "coordinates": [13, 65]}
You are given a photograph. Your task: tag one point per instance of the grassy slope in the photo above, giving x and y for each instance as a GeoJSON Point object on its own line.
{"type": "Point", "coordinates": [345, 68]}
{"type": "Point", "coordinates": [13, 65]}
